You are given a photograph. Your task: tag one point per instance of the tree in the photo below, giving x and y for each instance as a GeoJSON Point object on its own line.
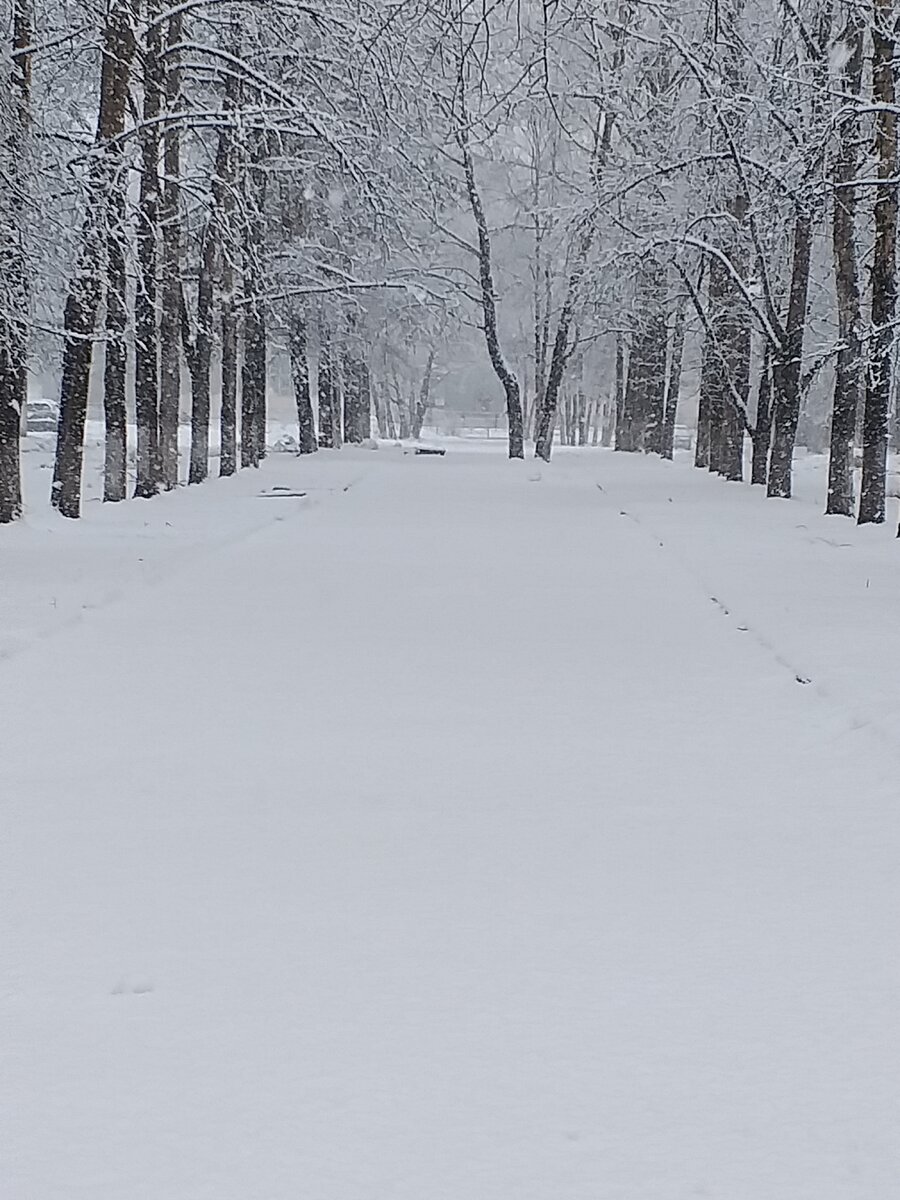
{"type": "Point", "coordinates": [86, 289]}
{"type": "Point", "coordinates": [848, 363]}
{"type": "Point", "coordinates": [14, 122]}
{"type": "Point", "coordinates": [884, 267]}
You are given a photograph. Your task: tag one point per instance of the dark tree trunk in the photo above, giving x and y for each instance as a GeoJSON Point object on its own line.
{"type": "Point", "coordinates": [116, 356]}
{"type": "Point", "coordinates": [199, 357]}
{"type": "Point", "coordinates": [228, 410]}
{"type": "Point", "coordinates": [762, 429]}
{"type": "Point", "coordinates": [13, 276]}
{"type": "Point", "coordinates": [786, 368]}
{"type": "Point", "coordinates": [623, 421]}
{"type": "Point", "coordinates": [701, 446]}
{"type": "Point", "coordinates": [884, 275]}
{"type": "Point", "coordinates": [489, 309]}
{"type": "Point", "coordinates": [403, 414]}
{"type": "Point", "coordinates": [306, 421]}
{"type": "Point", "coordinates": [253, 375]}
{"type": "Point", "coordinates": [170, 229]}
{"type": "Point", "coordinates": [673, 383]}
{"type": "Point", "coordinates": [652, 352]}
{"type": "Point", "coordinates": [79, 323]}
{"type": "Point", "coordinates": [327, 391]}
{"type": "Point", "coordinates": [383, 417]}
{"type": "Point", "coordinates": [364, 394]}
{"type": "Point", "coordinates": [350, 397]}
{"type": "Point", "coordinates": [12, 400]}
{"type": "Point", "coordinates": [85, 294]}
{"type": "Point", "coordinates": [846, 277]}
{"type": "Point", "coordinates": [725, 368]}
{"type": "Point", "coordinates": [422, 404]}
{"type": "Point", "coordinates": [253, 386]}
{"type": "Point", "coordinates": [546, 411]}
{"type": "Point", "coordinates": [357, 400]}
{"type": "Point", "coordinates": [146, 364]}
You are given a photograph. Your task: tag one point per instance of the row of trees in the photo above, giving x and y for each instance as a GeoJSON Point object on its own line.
{"type": "Point", "coordinates": [608, 195]}
{"type": "Point", "coordinates": [724, 176]}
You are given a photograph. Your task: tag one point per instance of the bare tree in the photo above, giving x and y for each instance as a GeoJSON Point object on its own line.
{"type": "Point", "coordinates": [13, 271]}
{"type": "Point", "coordinates": [86, 289]}
{"type": "Point", "coordinates": [848, 363]}
{"type": "Point", "coordinates": [884, 267]}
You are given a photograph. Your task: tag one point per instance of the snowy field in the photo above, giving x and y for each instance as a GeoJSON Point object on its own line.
{"type": "Point", "coordinates": [458, 830]}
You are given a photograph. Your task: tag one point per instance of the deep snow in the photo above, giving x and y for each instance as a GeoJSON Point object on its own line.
{"type": "Point", "coordinates": [461, 831]}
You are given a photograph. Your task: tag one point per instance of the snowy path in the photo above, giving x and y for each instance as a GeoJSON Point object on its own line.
{"type": "Point", "coordinates": [439, 840]}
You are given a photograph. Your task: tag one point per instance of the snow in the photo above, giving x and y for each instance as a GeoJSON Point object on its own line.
{"type": "Point", "coordinates": [457, 830]}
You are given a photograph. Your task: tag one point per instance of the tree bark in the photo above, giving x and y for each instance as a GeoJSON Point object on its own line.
{"type": "Point", "coordinates": [645, 387]}
{"type": "Point", "coordinates": [673, 383]}
{"type": "Point", "coordinates": [306, 421]}
{"type": "Point", "coordinates": [422, 404]}
{"type": "Point", "coordinates": [350, 396]}
{"type": "Point", "coordinates": [116, 355]}
{"type": "Point", "coordinates": [725, 372]}
{"type": "Point", "coordinates": [546, 406]}
{"type": "Point", "coordinates": [171, 241]}
{"type": "Point", "coordinates": [623, 420]}
{"type": "Point", "coordinates": [199, 355]}
{"type": "Point", "coordinates": [13, 273]}
{"type": "Point", "coordinates": [228, 410]}
{"type": "Point", "coordinates": [884, 271]}
{"type": "Point", "coordinates": [146, 364]}
{"type": "Point", "coordinates": [253, 374]}
{"type": "Point", "coordinates": [489, 308]}
{"type": "Point", "coordinates": [786, 368]}
{"type": "Point", "coordinates": [85, 293]}
{"type": "Point", "coordinates": [847, 287]}
{"type": "Point", "coordinates": [327, 390]}
{"type": "Point", "coordinates": [762, 428]}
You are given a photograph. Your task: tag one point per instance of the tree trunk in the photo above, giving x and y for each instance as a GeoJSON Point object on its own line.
{"type": "Point", "coordinates": [327, 390]}
{"type": "Point", "coordinates": [884, 280]}
{"type": "Point", "coordinates": [847, 289]}
{"type": "Point", "coordinates": [364, 392]}
{"type": "Point", "coordinates": [725, 372]}
{"type": "Point", "coordinates": [146, 364]}
{"type": "Point", "coordinates": [383, 417]}
{"type": "Point", "coordinates": [645, 389]}
{"type": "Point", "coordinates": [253, 375]}
{"type": "Point", "coordinates": [116, 355]}
{"type": "Point", "coordinates": [762, 428]}
{"type": "Point", "coordinates": [422, 404]}
{"type": "Point", "coordinates": [13, 273]}
{"type": "Point", "coordinates": [170, 230]}
{"type": "Point", "coordinates": [489, 309]}
{"type": "Point", "coordinates": [350, 396]}
{"type": "Point", "coordinates": [306, 421]}
{"type": "Point", "coordinates": [546, 413]}
{"type": "Point", "coordinates": [85, 294]}
{"type": "Point", "coordinates": [253, 387]}
{"type": "Point", "coordinates": [403, 413]}
{"type": "Point", "coordinates": [786, 368]}
{"type": "Point", "coordinates": [673, 383]}
{"type": "Point", "coordinates": [624, 433]}
{"type": "Point", "coordinates": [228, 409]}
{"type": "Point", "coordinates": [701, 446]}
{"type": "Point", "coordinates": [199, 356]}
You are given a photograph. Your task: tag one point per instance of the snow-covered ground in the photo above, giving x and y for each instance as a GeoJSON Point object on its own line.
{"type": "Point", "coordinates": [462, 830]}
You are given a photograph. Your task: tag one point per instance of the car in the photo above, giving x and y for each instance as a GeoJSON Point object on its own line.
{"type": "Point", "coordinates": [41, 416]}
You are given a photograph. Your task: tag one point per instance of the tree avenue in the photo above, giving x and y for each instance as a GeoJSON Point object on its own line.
{"type": "Point", "coordinates": [587, 212]}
